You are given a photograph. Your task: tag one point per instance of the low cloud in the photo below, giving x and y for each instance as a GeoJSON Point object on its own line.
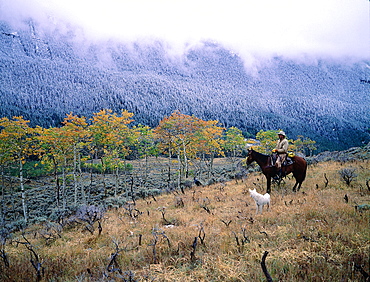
{"type": "Point", "coordinates": [290, 28]}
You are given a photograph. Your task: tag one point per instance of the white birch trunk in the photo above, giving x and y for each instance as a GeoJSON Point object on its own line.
{"type": "Point", "coordinates": [74, 173]}
{"type": "Point", "coordinates": [64, 183]}
{"type": "Point", "coordinates": [22, 190]}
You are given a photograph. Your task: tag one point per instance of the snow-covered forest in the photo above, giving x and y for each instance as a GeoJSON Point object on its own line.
{"type": "Point", "coordinates": [45, 76]}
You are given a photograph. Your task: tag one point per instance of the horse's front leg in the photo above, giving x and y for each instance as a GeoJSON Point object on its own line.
{"type": "Point", "coordinates": [268, 184]}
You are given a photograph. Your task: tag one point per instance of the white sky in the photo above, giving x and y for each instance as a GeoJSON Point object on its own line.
{"type": "Point", "coordinates": [336, 28]}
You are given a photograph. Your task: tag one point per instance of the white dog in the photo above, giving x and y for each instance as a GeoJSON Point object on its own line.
{"type": "Point", "coordinates": [260, 200]}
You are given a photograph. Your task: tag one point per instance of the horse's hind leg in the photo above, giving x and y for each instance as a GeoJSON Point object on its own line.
{"type": "Point", "coordinates": [297, 186]}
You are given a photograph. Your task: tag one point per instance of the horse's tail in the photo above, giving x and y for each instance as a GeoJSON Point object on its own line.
{"type": "Point", "coordinates": [302, 165]}
{"type": "Point", "coordinates": [305, 169]}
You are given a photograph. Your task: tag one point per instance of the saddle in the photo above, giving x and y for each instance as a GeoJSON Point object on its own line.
{"type": "Point", "coordinates": [288, 160]}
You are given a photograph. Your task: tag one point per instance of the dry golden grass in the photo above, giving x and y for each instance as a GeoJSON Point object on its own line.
{"type": "Point", "coordinates": [311, 235]}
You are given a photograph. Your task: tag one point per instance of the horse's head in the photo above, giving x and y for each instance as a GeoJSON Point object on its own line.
{"type": "Point", "coordinates": [250, 157]}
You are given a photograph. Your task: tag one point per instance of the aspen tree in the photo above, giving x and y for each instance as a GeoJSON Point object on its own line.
{"type": "Point", "coordinates": [208, 142]}
{"type": "Point", "coordinates": [234, 143]}
{"type": "Point", "coordinates": [187, 136]}
{"type": "Point", "coordinates": [75, 127]}
{"type": "Point", "coordinates": [5, 159]}
{"type": "Point", "coordinates": [111, 138]}
{"type": "Point", "coordinates": [16, 136]}
{"type": "Point", "coordinates": [57, 148]}
{"type": "Point", "coordinates": [145, 145]}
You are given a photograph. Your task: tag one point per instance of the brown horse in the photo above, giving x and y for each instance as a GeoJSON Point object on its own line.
{"type": "Point", "coordinates": [298, 167]}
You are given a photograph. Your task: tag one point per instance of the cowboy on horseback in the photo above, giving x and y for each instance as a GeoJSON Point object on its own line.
{"type": "Point", "coordinates": [281, 151]}
{"type": "Point", "coordinates": [293, 164]}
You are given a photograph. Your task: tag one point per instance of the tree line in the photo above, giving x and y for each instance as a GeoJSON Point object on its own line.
{"type": "Point", "coordinates": [208, 82]}
{"type": "Point", "coordinates": [106, 141]}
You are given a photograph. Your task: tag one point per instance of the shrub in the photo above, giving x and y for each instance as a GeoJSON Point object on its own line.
{"type": "Point", "coordinates": [347, 175]}
{"type": "Point", "coordinates": [90, 214]}
{"type": "Point", "coordinates": [32, 169]}
{"type": "Point", "coordinates": [98, 168]}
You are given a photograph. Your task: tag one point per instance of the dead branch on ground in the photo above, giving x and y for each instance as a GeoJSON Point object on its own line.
{"type": "Point", "coordinates": [113, 264]}
{"type": "Point", "coordinates": [155, 242]}
{"type": "Point", "coordinates": [194, 247]}
{"type": "Point", "coordinates": [264, 269]}
{"type": "Point", "coordinates": [326, 180]}
{"type": "Point", "coordinates": [363, 272]}
{"type": "Point", "coordinates": [226, 223]}
{"type": "Point", "coordinates": [201, 234]}
{"type": "Point", "coordinates": [34, 258]}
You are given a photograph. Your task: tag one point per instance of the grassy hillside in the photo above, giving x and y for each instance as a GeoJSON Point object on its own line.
{"type": "Point", "coordinates": [210, 233]}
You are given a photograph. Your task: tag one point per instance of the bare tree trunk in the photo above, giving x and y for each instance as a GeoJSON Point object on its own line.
{"type": "Point", "coordinates": [210, 166]}
{"type": "Point", "coordinates": [116, 173]}
{"type": "Point", "coordinates": [21, 179]}
{"type": "Point", "coordinates": [125, 176]}
{"type": "Point", "coordinates": [83, 194]}
{"type": "Point", "coordinates": [64, 183]}
{"type": "Point", "coordinates": [186, 167]}
{"type": "Point", "coordinates": [13, 201]}
{"type": "Point", "coordinates": [146, 168]}
{"type": "Point", "coordinates": [203, 165]}
{"type": "Point", "coordinates": [74, 173]}
{"type": "Point", "coordinates": [169, 167]}
{"type": "Point", "coordinates": [103, 166]}
{"type": "Point", "coordinates": [179, 174]}
{"type": "Point", "coordinates": [56, 178]}
{"type": "Point", "coordinates": [2, 222]}
{"type": "Point", "coordinates": [91, 182]}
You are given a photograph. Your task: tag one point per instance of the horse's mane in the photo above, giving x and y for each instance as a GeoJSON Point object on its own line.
{"type": "Point", "coordinates": [260, 155]}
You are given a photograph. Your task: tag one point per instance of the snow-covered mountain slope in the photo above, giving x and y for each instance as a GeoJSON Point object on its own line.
{"type": "Point", "coordinates": [45, 76]}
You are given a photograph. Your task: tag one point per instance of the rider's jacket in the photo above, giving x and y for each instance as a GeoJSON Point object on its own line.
{"type": "Point", "coordinates": [282, 146]}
